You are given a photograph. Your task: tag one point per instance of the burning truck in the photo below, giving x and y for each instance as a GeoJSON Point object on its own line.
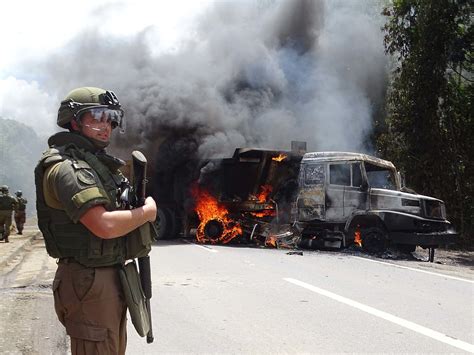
{"type": "Point", "coordinates": [296, 199]}
{"type": "Point", "coordinates": [247, 197]}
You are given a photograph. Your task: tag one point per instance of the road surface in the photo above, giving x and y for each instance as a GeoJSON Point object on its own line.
{"type": "Point", "coordinates": [219, 299]}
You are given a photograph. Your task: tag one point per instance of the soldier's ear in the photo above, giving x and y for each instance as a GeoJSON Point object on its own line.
{"type": "Point", "coordinates": [74, 125]}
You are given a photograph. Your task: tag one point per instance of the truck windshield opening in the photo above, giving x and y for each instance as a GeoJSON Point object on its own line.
{"type": "Point", "coordinates": [380, 177]}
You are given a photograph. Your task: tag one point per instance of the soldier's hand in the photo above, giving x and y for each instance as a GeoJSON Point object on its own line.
{"type": "Point", "coordinates": [150, 209]}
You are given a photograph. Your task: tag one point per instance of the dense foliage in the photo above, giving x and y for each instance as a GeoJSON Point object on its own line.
{"type": "Point", "coordinates": [20, 150]}
{"type": "Point", "coordinates": [429, 128]}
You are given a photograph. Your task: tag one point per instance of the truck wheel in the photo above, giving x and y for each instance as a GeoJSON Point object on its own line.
{"type": "Point", "coordinates": [165, 224]}
{"type": "Point", "coordinates": [173, 229]}
{"type": "Point", "coordinates": [406, 248]}
{"type": "Point", "coordinates": [374, 240]}
{"type": "Point", "coordinates": [161, 223]}
{"type": "Point", "coordinates": [213, 230]}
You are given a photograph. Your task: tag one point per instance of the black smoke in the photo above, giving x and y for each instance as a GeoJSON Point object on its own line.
{"type": "Point", "coordinates": [254, 74]}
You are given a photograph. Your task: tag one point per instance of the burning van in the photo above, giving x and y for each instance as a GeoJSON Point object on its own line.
{"type": "Point", "coordinates": [351, 198]}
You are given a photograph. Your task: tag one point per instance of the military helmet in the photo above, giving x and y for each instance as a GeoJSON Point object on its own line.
{"type": "Point", "coordinates": [19, 193]}
{"type": "Point", "coordinates": [4, 188]}
{"type": "Point", "coordinates": [80, 100]}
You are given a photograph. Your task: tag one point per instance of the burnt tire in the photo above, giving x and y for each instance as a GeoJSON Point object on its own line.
{"type": "Point", "coordinates": [213, 230]}
{"type": "Point", "coordinates": [374, 240]}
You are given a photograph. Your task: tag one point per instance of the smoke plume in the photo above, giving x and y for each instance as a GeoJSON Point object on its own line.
{"type": "Point", "coordinates": [253, 74]}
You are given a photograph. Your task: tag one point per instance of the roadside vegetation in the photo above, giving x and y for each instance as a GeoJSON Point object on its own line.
{"type": "Point", "coordinates": [428, 128]}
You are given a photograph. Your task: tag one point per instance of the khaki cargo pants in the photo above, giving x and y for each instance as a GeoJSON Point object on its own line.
{"type": "Point", "coordinates": [89, 302]}
{"type": "Point", "coordinates": [20, 218]}
{"type": "Point", "coordinates": [5, 223]}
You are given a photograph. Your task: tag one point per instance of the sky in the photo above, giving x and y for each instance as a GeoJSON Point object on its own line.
{"type": "Point", "coordinates": [208, 76]}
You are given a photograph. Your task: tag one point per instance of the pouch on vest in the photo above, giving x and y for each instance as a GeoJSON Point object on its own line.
{"type": "Point", "coordinates": [5, 203]}
{"type": "Point", "coordinates": [135, 298]}
{"type": "Point", "coordinates": [138, 242]}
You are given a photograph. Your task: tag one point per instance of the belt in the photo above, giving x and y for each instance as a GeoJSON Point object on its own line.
{"type": "Point", "coordinates": [71, 260]}
{"type": "Point", "coordinates": [67, 261]}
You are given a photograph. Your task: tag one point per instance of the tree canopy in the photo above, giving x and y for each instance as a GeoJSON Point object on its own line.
{"type": "Point", "coordinates": [429, 127]}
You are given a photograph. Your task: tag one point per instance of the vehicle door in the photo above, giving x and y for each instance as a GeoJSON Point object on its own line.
{"type": "Point", "coordinates": [339, 180]}
{"type": "Point", "coordinates": [355, 195]}
{"type": "Point", "coordinates": [310, 201]}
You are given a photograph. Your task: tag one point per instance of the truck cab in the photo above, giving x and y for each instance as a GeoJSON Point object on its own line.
{"type": "Point", "coordinates": [350, 197]}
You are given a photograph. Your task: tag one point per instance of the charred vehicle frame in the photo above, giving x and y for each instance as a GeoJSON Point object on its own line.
{"type": "Point", "coordinates": [347, 196]}
{"type": "Point", "coordinates": [314, 200]}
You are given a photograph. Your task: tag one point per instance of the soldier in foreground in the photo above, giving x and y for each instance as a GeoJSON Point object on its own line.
{"type": "Point", "coordinates": [77, 191]}
{"type": "Point", "coordinates": [7, 205]}
{"type": "Point", "coordinates": [20, 212]}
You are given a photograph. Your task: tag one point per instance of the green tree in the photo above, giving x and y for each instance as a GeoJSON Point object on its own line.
{"type": "Point", "coordinates": [429, 128]}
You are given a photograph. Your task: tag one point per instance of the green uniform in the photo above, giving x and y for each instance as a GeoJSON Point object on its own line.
{"type": "Point", "coordinates": [21, 203]}
{"type": "Point", "coordinates": [7, 205]}
{"type": "Point", "coordinates": [20, 214]}
{"type": "Point", "coordinates": [71, 177]}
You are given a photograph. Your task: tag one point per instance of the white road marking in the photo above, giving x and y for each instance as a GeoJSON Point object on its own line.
{"type": "Point", "coordinates": [387, 316]}
{"type": "Point", "coordinates": [205, 247]}
{"type": "Point", "coordinates": [414, 269]}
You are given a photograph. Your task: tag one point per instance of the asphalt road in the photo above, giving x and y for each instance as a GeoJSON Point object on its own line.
{"type": "Point", "coordinates": [220, 299]}
{"type": "Point", "coordinates": [217, 299]}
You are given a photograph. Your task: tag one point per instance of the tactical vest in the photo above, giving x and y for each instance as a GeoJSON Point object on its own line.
{"type": "Point", "coordinates": [63, 237]}
{"type": "Point", "coordinates": [6, 203]}
{"type": "Point", "coordinates": [21, 204]}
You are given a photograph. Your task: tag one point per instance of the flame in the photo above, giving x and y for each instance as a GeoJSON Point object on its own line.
{"type": "Point", "coordinates": [208, 208]}
{"type": "Point", "coordinates": [357, 237]}
{"type": "Point", "coordinates": [263, 195]}
{"type": "Point", "coordinates": [280, 157]}
{"type": "Point", "coordinates": [264, 213]}
{"type": "Point", "coordinates": [271, 241]}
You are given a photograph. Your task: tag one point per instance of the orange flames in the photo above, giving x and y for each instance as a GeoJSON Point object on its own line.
{"type": "Point", "coordinates": [262, 197]}
{"type": "Point", "coordinates": [357, 237]}
{"type": "Point", "coordinates": [265, 191]}
{"type": "Point", "coordinates": [266, 213]}
{"type": "Point", "coordinates": [208, 208]}
{"type": "Point", "coordinates": [280, 157]}
{"type": "Point", "coordinates": [271, 241]}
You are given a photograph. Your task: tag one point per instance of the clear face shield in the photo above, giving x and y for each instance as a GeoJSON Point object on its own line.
{"type": "Point", "coordinates": [106, 116]}
{"type": "Point", "coordinates": [108, 111]}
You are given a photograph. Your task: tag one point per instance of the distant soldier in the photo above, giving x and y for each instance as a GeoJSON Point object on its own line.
{"type": "Point", "coordinates": [7, 205]}
{"type": "Point", "coordinates": [20, 212]}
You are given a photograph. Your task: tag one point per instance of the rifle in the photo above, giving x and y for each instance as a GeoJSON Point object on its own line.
{"type": "Point", "coordinates": [138, 187]}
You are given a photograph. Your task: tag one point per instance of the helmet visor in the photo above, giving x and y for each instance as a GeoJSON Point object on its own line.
{"type": "Point", "coordinates": [107, 115]}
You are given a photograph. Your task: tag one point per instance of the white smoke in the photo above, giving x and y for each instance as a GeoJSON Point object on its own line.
{"type": "Point", "coordinates": [27, 103]}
